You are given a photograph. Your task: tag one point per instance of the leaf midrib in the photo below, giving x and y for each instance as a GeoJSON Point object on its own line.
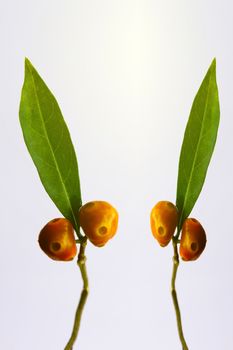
{"type": "Point", "coordinates": [51, 149]}
{"type": "Point", "coordinates": [196, 152]}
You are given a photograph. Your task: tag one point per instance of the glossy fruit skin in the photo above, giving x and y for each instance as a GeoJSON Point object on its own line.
{"type": "Point", "coordinates": [99, 221]}
{"type": "Point", "coordinates": [193, 240]}
{"type": "Point", "coordinates": [163, 221]}
{"type": "Point", "coordinates": [57, 240]}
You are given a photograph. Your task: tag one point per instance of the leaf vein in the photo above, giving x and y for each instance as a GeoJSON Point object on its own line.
{"type": "Point", "coordinates": [51, 150]}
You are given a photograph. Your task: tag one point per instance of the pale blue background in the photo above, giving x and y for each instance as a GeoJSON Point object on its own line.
{"type": "Point", "coordinates": [125, 73]}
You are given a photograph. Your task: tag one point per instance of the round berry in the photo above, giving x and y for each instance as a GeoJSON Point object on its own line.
{"type": "Point", "coordinates": [163, 221]}
{"type": "Point", "coordinates": [193, 240]}
{"type": "Point", "coordinates": [99, 221]}
{"type": "Point", "coordinates": [57, 240]}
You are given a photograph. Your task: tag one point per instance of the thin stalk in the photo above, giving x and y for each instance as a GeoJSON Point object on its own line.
{"type": "Point", "coordinates": [174, 294]}
{"type": "Point", "coordinates": [83, 297]}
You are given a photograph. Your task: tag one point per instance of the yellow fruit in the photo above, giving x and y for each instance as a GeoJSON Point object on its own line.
{"type": "Point", "coordinates": [57, 240]}
{"type": "Point", "coordinates": [163, 221]}
{"type": "Point", "coordinates": [99, 221]}
{"type": "Point", "coordinates": [193, 240]}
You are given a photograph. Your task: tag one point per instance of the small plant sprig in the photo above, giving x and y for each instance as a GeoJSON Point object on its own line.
{"type": "Point", "coordinates": [49, 144]}
{"type": "Point", "coordinates": [170, 222]}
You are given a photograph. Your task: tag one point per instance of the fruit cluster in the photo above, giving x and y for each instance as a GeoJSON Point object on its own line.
{"type": "Point", "coordinates": [164, 220]}
{"type": "Point", "coordinates": [98, 220]}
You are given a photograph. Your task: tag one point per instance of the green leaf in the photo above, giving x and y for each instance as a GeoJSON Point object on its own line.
{"type": "Point", "coordinates": [49, 144]}
{"type": "Point", "coordinates": [198, 144]}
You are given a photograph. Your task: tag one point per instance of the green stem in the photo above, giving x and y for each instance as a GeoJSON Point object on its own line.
{"type": "Point", "coordinates": [174, 295]}
{"type": "Point", "coordinates": [82, 265]}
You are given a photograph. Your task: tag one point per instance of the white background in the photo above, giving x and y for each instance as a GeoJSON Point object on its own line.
{"type": "Point", "coordinates": [125, 74]}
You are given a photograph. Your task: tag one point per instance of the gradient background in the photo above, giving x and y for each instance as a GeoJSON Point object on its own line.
{"type": "Point", "coordinates": [125, 74]}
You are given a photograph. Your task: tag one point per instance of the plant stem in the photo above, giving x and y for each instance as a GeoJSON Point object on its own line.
{"type": "Point", "coordinates": [82, 265]}
{"type": "Point", "coordinates": [174, 295]}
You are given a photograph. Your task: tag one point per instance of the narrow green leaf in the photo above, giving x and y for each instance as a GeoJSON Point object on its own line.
{"type": "Point", "coordinates": [198, 144]}
{"type": "Point", "coordinates": [49, 144]}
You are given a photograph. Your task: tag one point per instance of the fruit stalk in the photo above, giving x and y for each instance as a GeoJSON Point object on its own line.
{"type": "Point", "coordinates": [84, 294]}
{"type": "Point", "coordinates": [174, 294]}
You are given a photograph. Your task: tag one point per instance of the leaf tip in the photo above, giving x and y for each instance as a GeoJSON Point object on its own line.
{"type": "Point", "coordinates": [213, 64]}
{"type": "Point", "coordinates": [27, 63]}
